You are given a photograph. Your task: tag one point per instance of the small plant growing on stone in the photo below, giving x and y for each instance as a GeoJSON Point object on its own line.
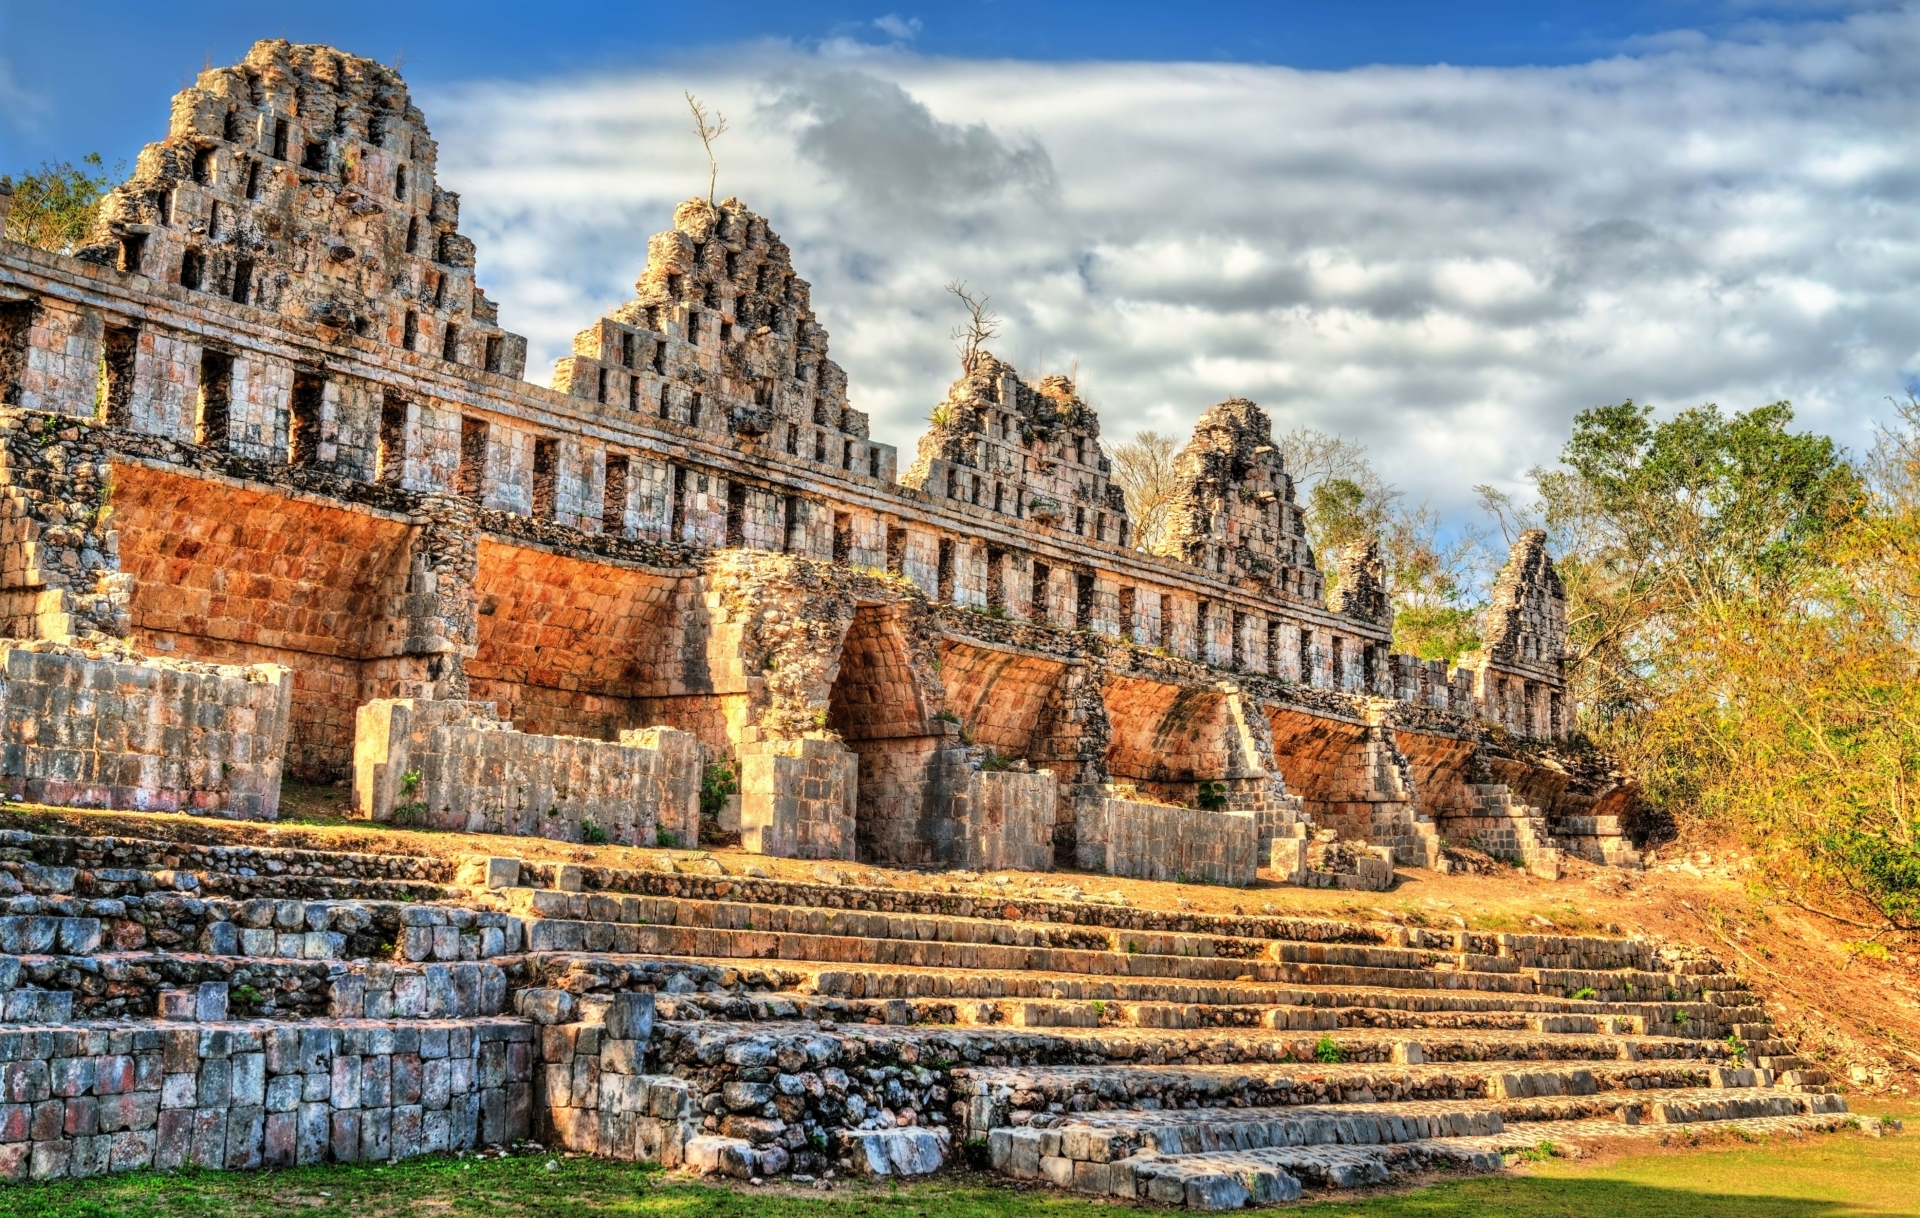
{"type": "Point", "coordinates": [666, 838]}
{"type": "Point", "coordinates": [592, 834]}
{"type": "Point", "coordinates": [946, 716]}
{"type": "Point", "coordinates": [1099, 1008]}
{"type": "Point", "coordinates": [717, 785]}
{"type": "Point", "coordinates": [1541, 1153]}
{"type": "Point", "coordinates": [1681, 1018]}
{"type": "Point", "coordinates": [1211, 797]}
{"type": "Point", "coordinates": [1133, 947]}
{"type": "Point", "coordinates": [244, 995]}
{"type": "Point", "coordinates": [979, 1157]}
{"type": "Point", "coordinates": [1327, 1051]}
{"type": "Point", "coordinates": [411, 807]}
{"type": "Point", "coordinates": [1736, 1049]}
{"type": "Point", "coordinates": [1584, 993]}
{"type": "Point", "coordinates": [993, 763]}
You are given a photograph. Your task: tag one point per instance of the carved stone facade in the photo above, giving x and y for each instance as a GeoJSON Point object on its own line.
{"type": "Point", "coordinates": [337, 471]}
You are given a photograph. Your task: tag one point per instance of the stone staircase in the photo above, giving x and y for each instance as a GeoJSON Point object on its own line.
{"type": "Point", "coordinates": [238, 1006]}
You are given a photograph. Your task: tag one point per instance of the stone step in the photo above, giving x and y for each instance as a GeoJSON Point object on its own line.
{"type": "Point", "coordinates": [595, 908]}
{"type": "Point", "coordinates": [1236, 1178]}
{"type": "Point", "coordinates": [1493, 1050]}
{"type": "Point", "coordinates": [1109, 1136]}
{"type": "Point", "coordinates": [1106, 1137]}
{"type": "Point", "coordinates": [761, 1006]}
{"type": "Point", "coordinates": [288, 928]}
{"type": "Point", "coordinates": [998, 1095]}
{"type": "Point", "coordinates": [129, 985]}
{"type": "Point", "coordinates": [1317, 1007]}
{"type": "Point", "coordinates": [552, 935]}
{"type": "Point", "coordinates": [1532, 950]}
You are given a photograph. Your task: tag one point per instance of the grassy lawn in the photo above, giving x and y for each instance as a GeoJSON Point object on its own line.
{"type": "Point", "coordinates": [1830, 1176]}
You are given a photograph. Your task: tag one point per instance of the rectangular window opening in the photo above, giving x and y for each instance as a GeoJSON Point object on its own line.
{"type": "Point", "coordinates": [133, 249]}
{"type": "Point", "coordinates": [391, 467]}
{"type": "Point", "coordinates": [693, 409]}
{"type": "Point", "coordinates": [1306, 657]}
{"type": "Point", "coordinates": [450, 344]}
{"type": "Point", "coordinates": [736, 513]}
{"type": "Point", "coordinates": [679, 517]}
{"type": "Point", "coordinates": [496, 346]}
{"type": "Point", "coordinates": [600, 387]}
{"type": "Point", "coordinates": [303, 428]}
{"type": "Point", "coordinates": [873, 462]}
{"type": "Point", "coordinates": [944, 579]}
{"type": "Point", "coordinates": [546, 478]}
{"type": "Point", "coordinates": [789, 522]}
{"type": "Point", "coordinates": [1129, 608]}
{"type": "Point", "coordinates": [842, 537]}
{"type": "Point", "coordinates": [193, 269]}
{"type": "Point", "coordinates": [471, 479]}
{"type": "Point", "coordinates": [1083, 600]}
{"type": "Point", "coordinates": [117, 350]}
{"type": "Point", "coordinates": [896, 548]}
{"type": "Point", "coordinates": [613, 509]}
{"type": "Point", "coordinates": [211, 412]}
{"type": "Point", "coordinates": [280, 139]}
{"type": "Point", "coordinates": [793, 440]}
{"type": "Point", "coordinates": [243, 281]}
{"type": "Point", "coordinates": [1037, 592]}
{"type": "Point", "coordinates": [409, 331]}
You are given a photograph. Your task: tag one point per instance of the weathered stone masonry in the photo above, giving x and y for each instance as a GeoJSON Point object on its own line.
{"type": "Point", "coordinates": [265, 417]}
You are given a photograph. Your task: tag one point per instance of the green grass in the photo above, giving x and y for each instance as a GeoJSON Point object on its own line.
{"type": "Point", "coordinates": [1819, 1176]}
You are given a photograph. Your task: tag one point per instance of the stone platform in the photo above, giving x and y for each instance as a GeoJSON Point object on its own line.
{"type": "Point", "coordinates": [242, 1006]}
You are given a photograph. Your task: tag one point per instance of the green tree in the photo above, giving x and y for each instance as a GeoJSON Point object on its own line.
{"type": "Point", "coordinates": [55, 208]}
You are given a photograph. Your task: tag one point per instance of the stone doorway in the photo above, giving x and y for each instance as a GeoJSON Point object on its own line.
{"type": "Point", "coordinates": [884, 705]}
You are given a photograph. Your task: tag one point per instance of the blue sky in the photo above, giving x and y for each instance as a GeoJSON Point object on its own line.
{"type": "Point", "coordinates": [1440, 229]}
{"type": "Point", "coordinates": [72, 94]}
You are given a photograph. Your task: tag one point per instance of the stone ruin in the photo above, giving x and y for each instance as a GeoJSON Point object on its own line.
{"type": "Point", "coordinates": [264, 427]}
{"type": "Point", "coordinates": [277, 503]}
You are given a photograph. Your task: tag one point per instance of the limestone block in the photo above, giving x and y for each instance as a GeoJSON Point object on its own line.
{"type": "Point", "coordinates": [797, 798]}
{"type": "Point", "coordinates": [913, 1151]}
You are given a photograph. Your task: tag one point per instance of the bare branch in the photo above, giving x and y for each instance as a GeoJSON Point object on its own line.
{"type": "Point", "coordinates": [708, 131]}
{"type": "Point", "coordinates": [981, 324]}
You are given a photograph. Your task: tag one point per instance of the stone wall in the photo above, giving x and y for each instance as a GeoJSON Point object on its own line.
{"type": "Point", "coordinates": [85, 1099]}
{"type": "Point", "coordinates": [1151, 841]}
{"type": "Point", "coordinates": [797, 798]}
{"type": "Point", "coordinates": [113, 731]}
{"type": "Point", "coordinates": [1007, 820]}
{"type": "Point", "coordinates": [456, 765]}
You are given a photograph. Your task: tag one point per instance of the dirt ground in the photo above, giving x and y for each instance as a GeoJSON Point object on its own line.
{"type": "Point", "coordinates": [1853, 1007]}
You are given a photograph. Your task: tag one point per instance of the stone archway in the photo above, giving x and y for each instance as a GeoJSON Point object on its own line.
{"type": "Point", "coordinates": [884, 703]}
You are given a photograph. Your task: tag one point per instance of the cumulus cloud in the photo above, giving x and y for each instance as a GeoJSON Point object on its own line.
{"type": "Point", "coordinates": [1446, 263]}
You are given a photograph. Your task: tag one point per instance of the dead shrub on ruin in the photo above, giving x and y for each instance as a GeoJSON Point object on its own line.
{"type": "Point", "coordinates": [709, 130]}
{"type": "Point", "coordinates": [981, 325]}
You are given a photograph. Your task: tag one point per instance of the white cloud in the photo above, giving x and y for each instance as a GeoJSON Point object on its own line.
{"type": "Point", "coordinates": [898, 28]}
{"type": "Point", "coordinates": [1444, 262]}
